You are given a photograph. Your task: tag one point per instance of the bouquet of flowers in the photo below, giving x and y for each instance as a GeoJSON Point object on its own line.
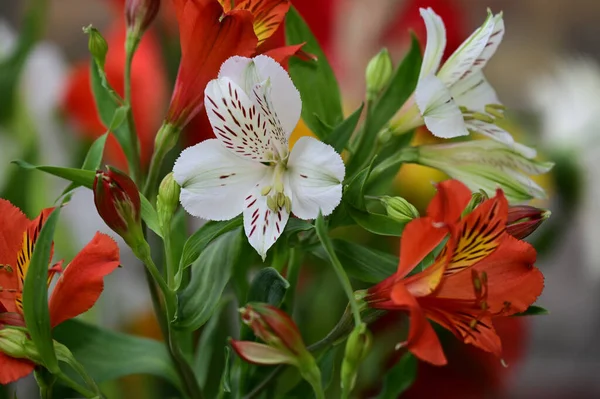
{"type": "Point", "coordinates": [274, 209]}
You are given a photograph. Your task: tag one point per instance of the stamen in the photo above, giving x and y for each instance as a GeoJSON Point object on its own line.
{"type": "Point", "coordinates": [265, 190]}
{"type": "Point", "coordinates": [278, 186]}
{"type": "Point", "coordinates": [463, 109]}
{"type": "Point", "coordinates": [272, 204]}
{"type": "Point", "coordinates": [280, 200]}
{"type": "Point", "coordinates": [288, 204]}
{"type": "Point", "coordinates": [497, 106]}
{"type": "Point", "coordinates": [483, 117]}
{"type": "Point", "coordinates": [494, 112]}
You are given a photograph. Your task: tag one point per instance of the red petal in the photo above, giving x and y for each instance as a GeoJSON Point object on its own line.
{"type": "Point", "coordinates": [12, 369]}
{"type": "Point", "coordinates": [13, 224]}
{"type": "Point", "coordinates": [422, 339]}
{"type": "Point", "coordinates": [206, 42]}
{"type": "Point", "coordinates": [419, 238]}
{"type": "Point", "coordinates": [82, 281]}
{"type": "Point", "coordinates": [282, 54]}
{"type": "Point", "coordinates": [268, 15]}
{"type": "Point", "coordinates": [479, 234]}
{"type": "Point", "coordinates": [449, 202]}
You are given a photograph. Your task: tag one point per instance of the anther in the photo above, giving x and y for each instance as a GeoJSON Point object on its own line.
{"type": "Point", "coordinates": [288, 204]}
{"type": "Point", "coordinates": [265, 190]}
{"type": "Point", "coordinates": [463, 109]}
{"type": "Point", "coordinates": [483, 117]}
{"type": "Point", "coordinates": [494, 112]}
{"type": "Point", "coordinates": [272, 203]}
{"type": "Point", "coordinates": [280, 200]}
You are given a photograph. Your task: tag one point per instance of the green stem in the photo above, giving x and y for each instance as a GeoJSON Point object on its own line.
{"type": "Point", "coordinates": [170, 267]}
{"type": "Point", "coordinates": [74, 385]}
{"type": "Point", "coordinates": [322, 233]}
{"type": "Point", "coordinates": [185, 371]}
{"type": "Point", "coordinates": [166, 138]}
{"type": "Point", "coordinates": [293, 271]}
{"type": "Point", "coordinates": [131, 44]}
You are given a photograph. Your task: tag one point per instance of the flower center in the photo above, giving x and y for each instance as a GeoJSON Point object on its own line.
{"type": "Point", "coordinates": [492, 113]}
{"type": "Point", "coordinates": [276, 198]}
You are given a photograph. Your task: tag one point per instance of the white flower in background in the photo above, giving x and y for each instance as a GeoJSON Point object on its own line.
{"type": "Point", "coordinates": [487, 165]}
{"type": "Point", "coordinates": [253, 107]}
{"type": "Point", "coordinates": [455, 99]}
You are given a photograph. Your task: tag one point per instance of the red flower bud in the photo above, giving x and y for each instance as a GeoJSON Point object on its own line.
{"type": "Point", "coordinates": [524, 220]}
{"type": "Point", "coordinates": [139, 14]}
{"type": "Point", "coordinates": [118, 202]}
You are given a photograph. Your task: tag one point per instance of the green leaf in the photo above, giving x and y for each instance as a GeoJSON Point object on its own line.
{"type": "Point", "coordinates": [268, 286]}
{"type": "Point", "coordinates": [108, 355]}
{"type": "Point", "coordinates": [92, 159]}
{"type": "Point", "coordinates": [86, 178]}
{"type": "Point", "coordinates": [225, 385]}
{"type": "Point", "coordinates": [376, 223]}
{"type": "Point", "coordinates": [295, 226]}
{"type": "Point", "coordinates": [205, 235]}
{"type": "Point", "coordinates": [150, 216]}
{"type": "Point", "coordinates": [401, 87]}
{"type": "Point", "coordinates": [108, 104]}
{"type": "Point", "coordinates": [209, 341]}
{"type": "Point", "coordinates": [210, 274]}
{"type": "Point", "coordinates": [355, 191]}
{"type": "Point", "coordinates": [35, 294]}
{"type": "Point", "coordinates": [533, 311]}
{"type": "Point", "coordinates": [319, 90]}
{"type": "Point", "coordinates": [364, 264]}
{"type": "Point", "coordinates": [81, 177]}
{"type": "Point", "coordinates": [340, 136]}
{"type": "Point", "coordinates": [399, 378]}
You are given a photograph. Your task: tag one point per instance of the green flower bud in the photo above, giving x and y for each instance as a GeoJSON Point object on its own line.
{"type": "Point", "coordinates": [476, 200]}
{"type": "Point", "coordinates": [97, 45]}
{"type": "Point", "coordinates": [167, 200]}
{"type": "Point", "coordinates": [399, 209]}
{"type": "Point", "coordinates": [378, 74]}
{"type": "Point", "coordinates": [357, 348]}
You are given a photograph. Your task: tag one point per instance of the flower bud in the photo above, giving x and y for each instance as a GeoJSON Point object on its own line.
{"type": "Point", "coordinates": [118, 202]}
{"type": "Point", "coordinates": [167, 200]}
{"type": "Point", "coordinates": [284, 344]}
{"type": "Point", "coordinates": [378, 74]}
{"type": "Point", "coordinates": [15, 343]}
{"type": "Point", "coordinates": [357, 348]}
{"type": "Point", "coordinates": [399, 209]}
{"type": "Point", "coordinates": [524, 220]}
{"type": "Point", "coordinates": [97, 45]}
{"type": "Point", "coordinates": [139, 14]}
{"type": "Point", "coordinates": [476, 199]}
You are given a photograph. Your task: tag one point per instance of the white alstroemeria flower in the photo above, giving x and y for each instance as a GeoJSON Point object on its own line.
{"type": "Point", "coordinates": [486, 165]}
{"type": "Point", "coordinates": [455, 99]}
{"type": "Point", "coordinates": [253, 107]}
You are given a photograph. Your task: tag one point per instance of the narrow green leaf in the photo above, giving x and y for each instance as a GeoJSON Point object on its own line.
{"type": "Point", "coordinates": [150, 216]}
{"type": "Point", "coordinates": [82, 177]}
{"type": "Point", "coordinates": [399, 378]}
{"type": "Point", "coordinates": [108, 355]}
{"type": "Point", "coordinates": [376, 223]}
{"type": "Point", "coordinates": [35, 294]}
{"type": "Point", "coordinates": [268, 286]}
{"type": "Point", "coordinates": [205, 235]}
{"type": "Point", "coordinates": [295, 226]}
{"type": "Point", "coordinates": [401, 87]}
{"type": "Point", "coordinates": [225, 385]}
{"type": "Point", "coordinates": [210, 274]}
{"type": "Point", "coordinates": [92, 160]}
{"type": "Point", "coordinates": [533, 311]}
{"type": "Point", "coordinates": [108, 107]}
{"type": "Point", "coordinates": [363, 263]}
{"type": "Point", "coordinates": [340, 136]}
{"type": "Point", "coordinates": [319, 90]}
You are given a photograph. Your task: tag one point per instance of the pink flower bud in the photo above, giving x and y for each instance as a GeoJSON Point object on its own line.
{"type": "Point", "coordinates": [139, 14]}
{"type": "Point", "coordinates": [524, 220]}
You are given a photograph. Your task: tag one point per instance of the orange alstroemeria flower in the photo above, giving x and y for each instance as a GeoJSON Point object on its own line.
{"type": "Point", "coordinates": [76, 291]}
{"type": "Point", "coordinates": [148, 92]}
{"type": "Point", "coordinates": [482, 272]}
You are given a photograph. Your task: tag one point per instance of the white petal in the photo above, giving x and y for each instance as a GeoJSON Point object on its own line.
{"type": "Point", "coordinates": [235, 120]}
{"type": "Point", "coordinates": [468, 58]}
{"type": "Point", "coordinates": [263, 226]}
{"type": "Point", "coordinates": [474, 92]}
{"type": "Point", "coordinates": [500, 135]}
{"type": "Point", "coordinates": [315, 174]}
{"type": "Point", "coordinates": [248, 72]}
{"type": "Point", "coordinates": [214, 182]}
{"type": "Point", "coordinates": [284, 95]}
{"type": "Point", "coordinates": [440, 112]}
{"type": "Point", "coordinates": [261, 95]}
{"type": "Point", "coordinates": [436, 42]}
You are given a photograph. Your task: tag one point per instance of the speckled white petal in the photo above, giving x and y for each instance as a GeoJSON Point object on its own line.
{"type": "Point", "coordinates": [214, 182]}
{"type": "Point", "coordinates": [436, 42]}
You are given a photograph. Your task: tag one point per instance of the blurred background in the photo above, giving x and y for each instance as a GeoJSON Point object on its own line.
{"type": "Point", "coordinates": [547, 71]}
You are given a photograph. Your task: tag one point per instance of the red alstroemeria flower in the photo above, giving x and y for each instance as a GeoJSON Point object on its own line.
{"type": "Point", "coordinates": [148, 99]}
{"type": "Point", "coordinates": [76, 291]}
{"type": "Point", "coordinates": [482, 272]}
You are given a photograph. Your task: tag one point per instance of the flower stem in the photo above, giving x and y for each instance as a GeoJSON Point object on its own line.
{"type": "Point", "coordinates": [131, 44]}
{"type": "Point", "coordinates": [166, 138]}
{"type": "Point", "coordinates": [188, 378]}
{"type": "Point", "coordinates": [65, 379]}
